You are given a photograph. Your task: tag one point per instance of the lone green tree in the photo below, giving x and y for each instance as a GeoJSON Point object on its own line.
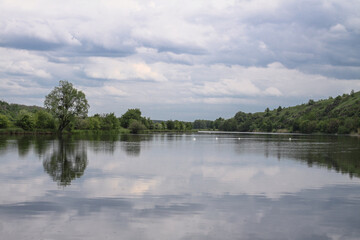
{"type": "Point", "coordinates": [66, 103]}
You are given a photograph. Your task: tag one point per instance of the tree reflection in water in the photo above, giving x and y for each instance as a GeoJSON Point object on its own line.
{"type": "Point", "coordinates": [67, 161]}
{"type": "Point", "coordinates": [131, 143]}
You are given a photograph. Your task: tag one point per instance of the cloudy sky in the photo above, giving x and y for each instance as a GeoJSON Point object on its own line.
{"type": "Point", "coordinates": [181, 60]}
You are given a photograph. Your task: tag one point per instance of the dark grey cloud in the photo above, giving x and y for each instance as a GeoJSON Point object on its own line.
{"type": "Point", "coordinates": [298, 34]}
{"type": "Point", "coordinates": [293, 33]}
{"type": "Point", "coordinates": [29, 43]}
{"type": "Point", "coordinates": [178, 49]}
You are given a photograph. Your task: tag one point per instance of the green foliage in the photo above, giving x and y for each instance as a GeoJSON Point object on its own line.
{"type": "Point", "coordinates": [4, 121]}
{"type": "Point", "coordinates": [82, 124]}
{"type": "Point", "coordinates": [218, 123]}
{"type": "Point", "coordinates": [135, 114]}
{"type": "Point", "coordinates": [158, 126]}
{"type": "Point", "coordinates": [109, 122]}
{"type": "Point", "coordinates": [307, 126]}
{"type": "Point", "coordinates": [66, 103]}
{"type": "Point", "coordinates": [136, 126]}
{"type": "Point", "coordinates": [13, 110]}
{"type": "Point", "coordinates": [267, 112]}
{"type": "Point", "coordinates": [352, 93]}
{"type": "Point", "coordinates": [25, 120]}
{"type": "Point", "coordinates": [149, 124]}
{"type": "Point", "coordinates": [230, 125]}
{"type": "Point", "coordinates": [188, 126]}
{"type": "Point", "coordinates": [203, 124]}
{"type": "Point", "coordinates": [94, 123]}
{"type": "Point", "coordinates": [44, 120]}
{"type": "Point", "coordinates": [266, 125]}
{"type": "Point", "coordinates": [170, 125]}
{"type": "Point", "coordinates": [240, 117]}
{"type": "Point", "coordinates": [333, 126]}
{"type": "Point", "coordinates": [174, 125]}
{"type": "Point", "coordinates": [322, 126]}
{"type": "Point", "coordinates": [131, 114]}
{"type": "Point", "coordinates": [332, 115]}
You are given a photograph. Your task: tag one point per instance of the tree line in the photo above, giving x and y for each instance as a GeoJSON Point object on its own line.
{"type": "Point", "coordinates": [41, 119]}
{"type": "Point", "coordinates": [333, 115]}
{"type": "Point", "coordinates": [66, 108]}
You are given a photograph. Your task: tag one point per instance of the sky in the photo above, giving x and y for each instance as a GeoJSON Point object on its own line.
{"type": "Point", "coordinates": [181, 60]}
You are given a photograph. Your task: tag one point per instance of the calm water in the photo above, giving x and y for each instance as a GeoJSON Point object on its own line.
{"type": "Point", "coordinates": [167, 186]}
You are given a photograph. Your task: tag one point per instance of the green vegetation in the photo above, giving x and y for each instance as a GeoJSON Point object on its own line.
{"type": "Point", "coordinates": [25, 120]}
{"type": "Point", "coordinates": [333, 115]}
{"type": "Point", "coordinates": [12, 110]}
{"type": "Point", "coordinates": [66, 103]}
{"type": "Point", "coordinates": [136, 126]}
{"type": "Point", "coordinates": [4, 121]}
{"type": "Point", "coordinates": [66, 109]}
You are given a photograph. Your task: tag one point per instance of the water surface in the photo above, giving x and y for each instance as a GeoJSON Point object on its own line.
{"type": "Point", "coordinates": [179, 186]}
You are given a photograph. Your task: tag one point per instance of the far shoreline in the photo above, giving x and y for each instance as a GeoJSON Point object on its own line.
{"type": "Point", "coordinates": [18, 131]}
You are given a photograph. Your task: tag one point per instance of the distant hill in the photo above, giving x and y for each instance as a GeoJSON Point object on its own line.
{"type": "Point", "coordinates": [12, 110]}
{"type": "Point", "coordinates": [333, 115]}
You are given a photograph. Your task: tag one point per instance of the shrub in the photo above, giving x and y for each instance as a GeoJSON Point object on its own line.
{"type": "Point", "coordinates": [25, 120]}
{"type": "Point", "coordinates": [94, 123]}
{"type": "Point", "coordinates": [343, 130]}
{"type": "Point", "coordinates": [333, 126]}
{"type": "Point", "coordinates": [44, 120]}
{"type": "Point", "coordinates": [4, 121]}
{"type": "Point", "coordinates": [81, 123]}
{"type": "Point", "coordinates": [109, 122]}
{"type": "Point", "coordinates": [322, 126]}
{"type": "Point", "coordinates": [170, 124]}
{"type": "Point", "coordinates": [136, 126]}
{"type": "Point", "coordinates": [307, 126]}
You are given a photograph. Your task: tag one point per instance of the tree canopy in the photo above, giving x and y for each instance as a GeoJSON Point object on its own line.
{"type": "Point", "coordinates": [131, 114]}
{"type": "Point", "coordinates": [66, 103]}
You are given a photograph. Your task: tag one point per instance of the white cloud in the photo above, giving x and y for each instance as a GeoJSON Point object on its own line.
{"type": "Point", "coordinates": [23, 62]}
{"type": "Point", "coordinates": [119, 69]}
{"type": "Point", "coordinates": [105, 91]}
{"type": "Point", "coordinates": [271, 91]}
{"type": "Point", "coordinates": [113, 91]}
{"type": "Point", "coordinates": [52, 32]}
{"type": "Point", "coordinates": [20, 88]}
{"type": "Point", "coordinates": [226, 87]}
{"type": "Point", "coordinates": [338, 28]}
{"type": "Point", "coordinates": [273, 80]}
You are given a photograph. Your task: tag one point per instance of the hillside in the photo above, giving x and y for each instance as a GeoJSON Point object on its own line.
{"type": "Point", "coordinates": [12, 110]}
{"type": "Point", "coordinates": [333, 115]}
